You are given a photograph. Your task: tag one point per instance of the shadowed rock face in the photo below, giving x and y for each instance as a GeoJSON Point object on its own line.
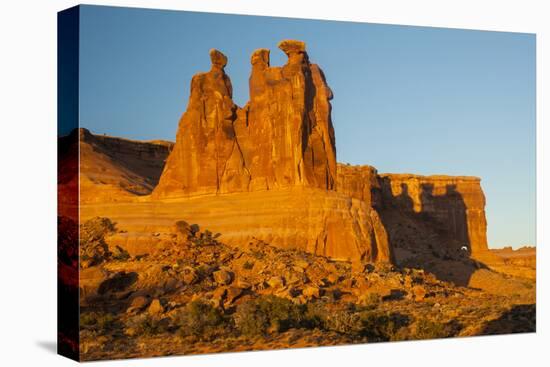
{"type": "Point", "coordinates": [282, 138]}
{"type": "Point", "coordinates": [454, 205]}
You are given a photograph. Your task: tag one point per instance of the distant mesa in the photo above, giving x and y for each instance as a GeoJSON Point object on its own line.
{"type": "Point", "coordinates": [268, 171]}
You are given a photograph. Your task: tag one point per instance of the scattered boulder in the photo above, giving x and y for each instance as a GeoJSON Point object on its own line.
{"type": "Point", "coordinates": [419, 293]}
{"type": "Point", "coordinates": [138, 304]}
{"type": "Point", "coordinates": [218, 296]}
{"type": "Point", "coordinates": [231, 295]}
{"type": "Point", "coordinates": [223, 277]}
{"type": "Point", "coordinates": [189, 275]}
{"type": "Point", "coordinates": [155, 308]}
{"type": "Point", "coordinates": [311, 292]}
{"type": "Point", "coordinates": [276, 282]}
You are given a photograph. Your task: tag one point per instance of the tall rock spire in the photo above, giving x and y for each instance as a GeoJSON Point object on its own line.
{"type": "Point", "coordinates": [282, 137]}
{"type": "Point", "coordinates": [206, 158]}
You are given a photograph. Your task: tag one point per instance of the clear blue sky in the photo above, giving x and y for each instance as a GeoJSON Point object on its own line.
{"type": "Point", "coordinates": [406, 99]}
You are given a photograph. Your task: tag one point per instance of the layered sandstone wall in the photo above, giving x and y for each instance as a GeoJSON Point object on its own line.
{"type": "Point", "coordinates": [359, 182]}
{"type": "Point", "coordinates": [313, 220]}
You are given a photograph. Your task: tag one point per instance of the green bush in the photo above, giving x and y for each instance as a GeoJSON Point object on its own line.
{"type": "Point", "coordinates": [268, 313]}
{"type": "Point", "coordinates": [380, 326]}
{"type": "Point", "coordinates": [201, 320]}
{"type": "Point", "coordinates": [427, 329]}
{"type": "Point", "coordinates": [356, 322]}
{"type": "Point", "coordinates": [343, 322]}
{"type": "Point", "coordinates": [183, 227]}
{"type": "Point", "coordinates": [147, 325]}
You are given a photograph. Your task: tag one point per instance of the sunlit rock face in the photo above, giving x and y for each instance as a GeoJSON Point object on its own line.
{"type": "Point", "coordinates": [359, 182]}
{"type": "Point", "coordinates": [283, 141]}
{"type": "Point", "coordinates": [282, 138]}
{"type": "Point", "coordinates": [286, 129]}
{"type": "Point", "coordinates": [206, 158]}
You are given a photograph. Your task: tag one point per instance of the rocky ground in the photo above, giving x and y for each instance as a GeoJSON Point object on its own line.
{"type": "Point", "coordinates": [194, 294]}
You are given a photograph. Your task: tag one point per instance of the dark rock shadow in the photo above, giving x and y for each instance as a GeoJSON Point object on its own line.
{"type": "Point", "coordinates": [119, 282]}
{"type": "Point", "coordinates": [431, 234]}
{"type": "Point", "coordinates": [519, 319]}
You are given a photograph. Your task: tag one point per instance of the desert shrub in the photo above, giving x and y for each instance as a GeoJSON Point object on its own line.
{"type": "Point", "coordinates": [97, 322]}
{"type": "Point", "coordinates": [315, 315]}
{"type": "Point", "coordinates": [248, 265]}
{"type": "Point", "coordinates": [427, 329]}
{"type": "Point", "coordinates": [268, 313]}
{"type": "Point", "coordinates": [147, 325]}
{"type": "Point", "coordinates": [372, 301]}
{"type": "Point", "coordinates": [356, 322]}
{"type": "Point", "coordinates": [201, 320]}
{"type": "Point", "coordinates": [141, 257]}
{"type": "Point", "coordinates": [381, 326]}
{"type": "Point", "coordinates": [342, 321]}
{"type": "Point", "coordinates": [202, 238]}
{"type": "Point", "coordinates": [257, 254]}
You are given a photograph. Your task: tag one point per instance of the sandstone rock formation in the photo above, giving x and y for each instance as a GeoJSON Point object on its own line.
{"type": "Point", "coordinates": [282, 138]}
{"type": "Point", "coordinates": [206, 157]}
{"type": "Point", "coordinates": [456, 204]}
{"type": "Point", "coordinates": [359, 182]}
{"type": "Point", "coordinates": [268, 172]}
{"type": "Point", "coordinates": [319, 222]}
{"type": "Point", "coordinates": [286, 129]}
